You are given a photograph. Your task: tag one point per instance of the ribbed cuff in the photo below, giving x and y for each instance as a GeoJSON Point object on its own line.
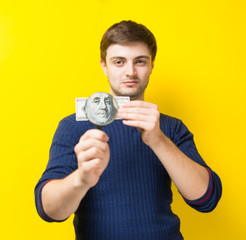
{"type": "Point", "coordinates": [40, 208]}
{"type": "Point", "coordinates": [206, 196]}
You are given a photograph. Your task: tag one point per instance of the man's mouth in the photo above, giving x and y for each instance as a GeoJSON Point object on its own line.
{"type": "Point", "coordinates": [130, 83]}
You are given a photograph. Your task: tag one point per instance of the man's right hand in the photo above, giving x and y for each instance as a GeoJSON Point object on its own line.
{"type": "Point", "coordinates": [93, 154]}
{"type": "Point", "coordinates": [61, 197]}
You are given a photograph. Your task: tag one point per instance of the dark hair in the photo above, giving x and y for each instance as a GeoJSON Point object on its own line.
{"type": "Point", "coordinates": [125, 32]}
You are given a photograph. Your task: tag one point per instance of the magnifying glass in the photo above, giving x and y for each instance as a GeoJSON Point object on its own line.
{"type": "Point", "coordinates": [101, 109]}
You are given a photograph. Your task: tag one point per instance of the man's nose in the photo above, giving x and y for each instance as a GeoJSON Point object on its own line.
{"type": "Point", "coordinates": [130, 70]}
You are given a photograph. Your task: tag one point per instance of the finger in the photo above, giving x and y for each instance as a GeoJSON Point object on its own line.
{"type": "Point", "coordinates": [139, 124]}
{"type": "Point", "coordinates": [94, 164]}
{"type": "Point", "coordinates": [138, 117]}
{"type": "Point", "coordinates": [96, 134]}
{"type": "Point", "coordinates": [138, 110]}
{"type": "Point", "coordinates": [91, 142]}
{"type": "Point", "coordinates": [139, 103]}
{"type": "Point", "coordinates": [90, 154]}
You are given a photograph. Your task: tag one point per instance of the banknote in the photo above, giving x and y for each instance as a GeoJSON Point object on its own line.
{"type": "Point", "coordinates": [80, 103]}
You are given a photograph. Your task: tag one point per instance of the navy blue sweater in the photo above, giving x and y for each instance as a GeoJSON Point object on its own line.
{"type": "Point", "coordinates": [133, 196]}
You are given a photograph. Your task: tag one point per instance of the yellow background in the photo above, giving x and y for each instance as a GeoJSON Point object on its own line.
{"type": "Point", "coordinates": [49, 54]}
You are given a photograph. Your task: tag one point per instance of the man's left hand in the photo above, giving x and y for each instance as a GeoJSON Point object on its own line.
{"type": "Point", "coordinates": [144, 116]}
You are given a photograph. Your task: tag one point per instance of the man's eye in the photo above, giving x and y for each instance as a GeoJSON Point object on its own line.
{"type": "Point", "coordinates": [118, 62]}
{"type": "Point", "coordinates": [140, 62]}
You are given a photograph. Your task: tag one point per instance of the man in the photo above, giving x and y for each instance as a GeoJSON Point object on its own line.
{"type": "Point", "coordinates": [118, 181]}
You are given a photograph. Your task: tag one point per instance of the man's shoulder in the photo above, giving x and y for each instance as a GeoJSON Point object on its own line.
{"type": "Point", "coordinates": [170, 125]}
{"type": "Point", "coordinates": [169, 119]}
{"type": "Point", "coordinates": [69, 118]}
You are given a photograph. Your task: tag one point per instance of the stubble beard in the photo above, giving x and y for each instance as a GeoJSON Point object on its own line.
{"type": "Point", "coordinates": [134, 95]}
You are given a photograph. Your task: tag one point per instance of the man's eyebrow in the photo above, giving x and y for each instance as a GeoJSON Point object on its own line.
{"type": "Point", "coordinates": [123, 58]}
{"type": "Point", "coordinates": [117, 57]}
{"type": "Point", "coordinates": [142, 56]}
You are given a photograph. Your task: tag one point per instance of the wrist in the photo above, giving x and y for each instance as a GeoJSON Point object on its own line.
{"type": "Point", "coordinates": [163, 146]}
{"type": "Point", "coordinates": [78, 183]}
{"type": "Point", "coordinates": [159, 139]}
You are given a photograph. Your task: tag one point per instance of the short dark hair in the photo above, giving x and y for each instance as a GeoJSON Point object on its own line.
{"type": "Point", "coordinates": [125, 32]}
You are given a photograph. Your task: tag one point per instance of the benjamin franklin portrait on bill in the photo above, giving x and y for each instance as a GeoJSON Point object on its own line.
{"type": "Point", "coordinates": [100, 108]}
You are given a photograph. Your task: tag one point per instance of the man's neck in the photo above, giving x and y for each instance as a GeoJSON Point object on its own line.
{"type": "Point", "coordinates": [134, 98]}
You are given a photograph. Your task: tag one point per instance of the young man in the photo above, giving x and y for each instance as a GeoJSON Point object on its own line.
{"type": "Point", "coordinates": [118, 181]}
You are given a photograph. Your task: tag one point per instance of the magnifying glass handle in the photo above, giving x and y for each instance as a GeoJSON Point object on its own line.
{"type": "Point", "coordinates": [99, 127]}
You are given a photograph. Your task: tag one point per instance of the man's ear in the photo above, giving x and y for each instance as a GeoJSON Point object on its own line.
{"type": "Point", "coordinates": [152, 66]}
{"type": "Point", "coordinates": [104, 67]}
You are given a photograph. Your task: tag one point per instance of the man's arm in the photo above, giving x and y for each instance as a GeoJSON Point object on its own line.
{"type": "Point", "coordinates": [190, 178]}
{"type": "Point", "coordinates": [61, 198]}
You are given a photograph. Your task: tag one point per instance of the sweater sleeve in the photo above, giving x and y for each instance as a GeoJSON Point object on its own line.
{"type": "Point", "coordinates": [210, 199]}
{"type": "Point", "coordinates": [62, 160]}
{"type": "Point", "coordinates": [183, 139]}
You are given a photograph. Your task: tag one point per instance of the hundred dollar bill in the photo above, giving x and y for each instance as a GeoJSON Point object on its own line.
{"type": "Point", "coordinates": [80, 104]}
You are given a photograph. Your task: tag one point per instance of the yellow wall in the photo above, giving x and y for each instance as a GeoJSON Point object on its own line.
{"type": "Point", "coordinates": [49, 54]}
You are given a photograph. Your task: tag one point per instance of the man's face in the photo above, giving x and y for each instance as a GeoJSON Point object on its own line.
{"type": "Point", "coordinates": [99, 107]}
{"type": "Point", "coordinates": [128, 68]}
